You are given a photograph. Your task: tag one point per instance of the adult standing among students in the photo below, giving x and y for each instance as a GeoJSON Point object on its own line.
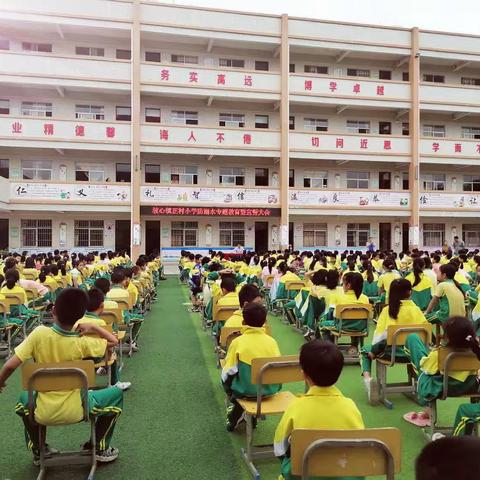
{"type": "Point", "coordinates": [457, 245]}
{"type": "Point", "coordinates": [371, 247]}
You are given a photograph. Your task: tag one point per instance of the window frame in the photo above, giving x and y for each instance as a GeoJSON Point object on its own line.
{"type": "Point", "coordinates": [39, 47]}
{"type": "Point", "coordinates": [262, 125]}
{"type": "Point", "coordinates": [316, 69]}
{"type": "Point", "coordinates": [432, 230]}
{"type": "Point", "coordinates": [261, 64]}
{"type": "Point", "coordinates": [123, 172]}
{"type": "Point", "coordinates": [4, 106]}
{"type": "Point", "coordinates": [123, 54]}
{"type": "Point", "coordinates": [466, 229]}
{"type": "Point", "coordinates": [157, 173]}
{"type": "Point", "coordinates": [150, 52]}
{"type": "Point", "coordinates": [313, 124]}
{"type": "Point", "coordinates": [234, 230]}
{"type": "Point", "coordinates": [231, 123]}
{"type": "Point", "coordinates": [91, 115]}
{"type": "Point", "coordinates": [235, 173]}
{"type": "Point", "coordinates": [357, 234]}
{"type": "Point", "coordinates": [37, 167]}
{"type": "Point", "coordinates": [176, 170]}
{"type": "Point", "coordinates": [433, 78]}
{"type": "Point", "coordinates": [38, 228]}
{"type": "Point", "coordinates": [100, 51]}
{"type": "Point", "coordinates": [473, 182]}
{"type": "Point", "coordinates": [266, 177]}
{"type": "Point", "coordinates": [181, 117]}
{"type": "Point", "coordinates": [355, 127]}
{"type": "Point", "coordinates": [430, 183]}
{"type": "Point", "coordinates": [123, 117]}
{"type": "Point", "coordinates": [357, 179]}
{"type": "Point", "coordinates": [226, 60]}
{"type": "Point", "coordinates": [315, 179]}
{"type": "Point", "coordinates": [315, 230]}
{"type": "Point", "coordinates": [89, 229]}
{"type": "Point", "coordinates": [359, 72]}
{"type": "Point", "coordinates": [183, 228]}
{"type": "Point", "coordinates": [176, 58]}
{"type": "Point", "coordinates": [35, 109]}
{"type": "Point", "coordinates": [430, 130]}
{"type": "Point", "coordinates": [153, 118]}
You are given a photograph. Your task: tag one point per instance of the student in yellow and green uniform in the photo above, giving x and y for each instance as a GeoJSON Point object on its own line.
{"type": "Point", "coordinates": [448, 299]}
{"type": "Point", "coordinates": [246, 295]}
{"type": "Point", "coordinates": [187, 263]}
{"type": "Point", "coordinates": [30, 269]}
{"type": "Point", "coordinates": [286, 276]}
{"type": "Point", "coordinates": [370, 281]}
{"type": "Point", "coordinates": [401, 310]}
{"type": "Point", "coordinates": [60, 344]}
{"type": "Point", "coordinates": [386, 278]}
{"type": "Point", "coordinates": [103, 284]}
{"type": "Point", "coordinates": [237, 371]}
{"type": "Point", "coordinates": [323, 407]}
{"type": "Point", "coordinates": [422, 287]}
{"type": "Point", "coordinates": [229, 298]}
{"type": "Point", "coordinates": [459, 334]}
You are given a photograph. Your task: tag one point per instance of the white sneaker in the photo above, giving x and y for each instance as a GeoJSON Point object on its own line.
{"type": "Point", "coordinates": [371, 386]}
{"type": "Point", "coordinates": [123, 385]}
{"type": "Point", "coordinates": [101, 371]}
{"type": "Point", "coordinates": [437, 436]}
{"type": "Point", "coordinates": [134, 347]}
{"type": "Point", "coordinates": [108, 455]}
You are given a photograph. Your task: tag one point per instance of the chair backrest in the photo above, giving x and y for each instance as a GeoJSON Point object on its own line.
{"type": "Point", "coordinates": [4, 308]}
{"type": "Point", "coordinates": [227, 334]}
{"type": "Point", "coordinates": [112, 316]}
{"type": "Point", "coordinates": [294, 285]}
{"type": "Point", "coordinates": [54, 377]}
{"type": "Point", "coordinates": [339, 453]}
{"type": "Point", "coordinates": [222, 313]}
{"type": "Point", "coordinates": [122, 303]}
{"type": "Point", "coordinates": [354, 311]}
{"type": "Point", "coordinates": [29, 276]}
{"type": "Point", "coordinates": [14, 298]}
{"type": "Point", "coordinates": [397, 334]}
{"type": "Point", "coordinates": [271, 370]}
{"type": "Point", "coordinates": [268, 280]}
{"type": "Point", "coordinates": [32, 293]}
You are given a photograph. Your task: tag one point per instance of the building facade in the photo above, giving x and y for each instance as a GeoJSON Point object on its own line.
{"type": "Point", "coordinates": [136, 123]}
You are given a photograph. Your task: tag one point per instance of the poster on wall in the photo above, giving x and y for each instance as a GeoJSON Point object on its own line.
{"type": "Point", "coordinates": [449, 200]}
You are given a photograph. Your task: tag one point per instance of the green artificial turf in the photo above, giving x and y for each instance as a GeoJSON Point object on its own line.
{"type": "Point", "coordinates": [173, 424]}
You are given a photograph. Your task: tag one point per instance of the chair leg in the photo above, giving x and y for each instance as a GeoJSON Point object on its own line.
{"type": "Point", "coordinates": [42, 434]}
{"type": "Point", "coordinates": [93, 440]}
{"type": "Point", "coordinates": [247, 451]}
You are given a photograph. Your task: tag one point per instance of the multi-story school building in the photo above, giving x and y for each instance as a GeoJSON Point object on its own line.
{"type": "Point", "coordinates": [158, 125]}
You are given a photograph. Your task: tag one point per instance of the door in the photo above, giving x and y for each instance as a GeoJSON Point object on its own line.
{"type": "Point", "coordinates": [261, 237]}
{"type": "Point", "coordinates": [385, 236]}
{"type": "Point", "coordinates": [4, 234]}
{"type": "Point", "coordinates": [290, 234]}
{"type": "Point", "coordinates": [405, 233]}
{"type": "Point", "coordinates": [152, 237]}
{"type": "Point", "coordinates": [122, 235]}
{"type": "Point", "coordinates": [385, 180]}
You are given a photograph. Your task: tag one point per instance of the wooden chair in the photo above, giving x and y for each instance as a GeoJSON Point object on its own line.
{"type": "Point", "coordinates": [54, 377]}
{"type": "Point", "coordinates": [450, 361]}
{"type": "Point", "coordinates": [292, 287]}
{"type": "Point", "coordinates": [7, 328]}
{"type": "Point", "coordinates": [268, 371]}
{"type": "Point", "coordinates": [114, 318]}
{"type": "Point", "coordinates": [17, 299]}
{"type": "Point", "coordinates": [29, 276]}
{"type": "Point", "coordinates": [346, 314]}
{"type": "Point", "coordinates": [341, 453]}
{"type": "Point", "coordinates": [396, 337]}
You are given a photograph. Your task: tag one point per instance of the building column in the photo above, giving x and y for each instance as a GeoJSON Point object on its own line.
{"type": "Point", "coordinates": [136, 175]}
{"type": "Point", "coordinates": [414, 173]}
{"type": "Point", "coordinates": [284, 131]}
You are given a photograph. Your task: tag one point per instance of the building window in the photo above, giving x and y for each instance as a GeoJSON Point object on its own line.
{"type": "Point", "coordinates": [181, 117]}
{"type": "Point", "coordinates": [232, 176]}
{"type": "Point", "coordinates": [385, 128]}
{"type": "Point", "coordinates": [430, 77]}
{"type": "Point", "coordinates": [152, 173]}
{"type": "Point", "coordinates": [291, 123]}
{"type": "Point", "coordinates": [471, 183]}
{"type": "Point", "coordinates": [231, 63]}
{"type": "Point", "coordinates": [405, 76]}
{"type": "Point", "coordinates": [184, 234]}
{"type": "Point", "coordinates": [315, 124]}
{"type": "Point", "coordinates": [358, 126]}
{"type": "Point", "coordinates": [405, 184]}
{"type": "Point", "coordinates": [291, 178]}
{"type": "Point", "coordinates": [467, 132]}
{"type": "Point", "coordinates": [90, 112]}
{"type": "Point", "coordinates": [123, 172]}
{"type": "Point", "coordinates": [471, 81]}
{"type": "Point", "coordinates": [232, 233]}
{"type": "Point", "coordinates": [234, 120]}
{"type": "Point", "coordinates": [358, 179]}
{"type": "Point", "coordinates": [153, 57]}
{"type": "Point", "coordinates": [4, 168]}
{"type": "Point", "coordinates": [37, 109]}
{"type": "Point", "coordinates": [320, 69]}
{"type": "Point", "coordinates": [36, 170]}
{"type": "Point", "coordinates": [357, 234]}
{"type": "Point", "coordinates": [36, 233]}
{"type": "Point", "coordinates": [471, 234]}
{"type": "Point", "coordinates": [89, 173]}
{"type": "Point", "coordinates": [90, 51]}
{"type": "Point", "coordinates": [433, 181]}
{"type": "Point", "coordinates": [4, 44]}
{"type": "Point", "coordinates": [358, 72]}
{"type": "Point", "coordinates": [88, 233]}
{"type": "Point", "coordinates": [433, 234]}
{"type": "Point", "coordinates": [123, 54]}
{"type": "Point", "coordinates": [314, 235]}
{"type": "Point", "coordinates": [291, 68]}
{"type": "Point", "coordinates": [437, 131]}
{"type": "Point", "coordinates": [405, 128]}
{"type": "Point", "coordinates": [152, 115]}
{"type": "Point", "coordinates": [384, 74]}
{"type": "Point", "coordinates": [184, 175]}
{"type": "Point", "coordinates": [123, 114]}
{"type": "Point", "coordinates": [4, 107]}
{"type": "Point", "coordinates": [37, 47]}
{"type": "Point", "coordinates": [261, 121]}
{"type": "Point", "coordinates": [261, 65]}
{"type": "Point", "coordinates": [184, 59]}
{"type": "Point", "coordinates": [261, 177]}
{"type": "Point", "coordinates": [315, 179]}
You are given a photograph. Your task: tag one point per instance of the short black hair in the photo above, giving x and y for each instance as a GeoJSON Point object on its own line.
{"type": "Point", "coordinates": [248, 293]}
{"type": "Point", "coordinates": [103, 284]}
{"type": "Point", "coordinates": [447, 458]}
{"type": "Point", "coordinates": [95, 298]}
{"type": "Point", "coordinates": [322, 362]}
{"type": "Point", "coordinates": [254, 315]}
{"type": "Point", "coordinates": [70, 306]}
{"type": "Point", "coordinates": [118, 276]}
{"type": "Point", "coordinates": [228, 284]}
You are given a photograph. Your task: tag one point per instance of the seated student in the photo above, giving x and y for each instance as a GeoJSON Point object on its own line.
{"type": "Point", "coordinates": [229, 298]}
{"type": "Point", "coordinates": [286, 276]}
{"type": "Point", "coordinates": [103, 284]}
{"type": "Point", "coordinates": [386, 278]}
{"type": "Point", "coordinates": [370, 281]}
{"type": "Point", "coordinates": [236, 373]}
{"type": "Point", "coordinates": [459, 334]}
{"type": "Point", "coordinates": [246, 295]}
{"type": "Point", "coordinates": [75, 273]}
{"type": "Point", "coordinates": [449, 458]}
{"type": "Point", "coordinates": [11, 286]}
{"type": "Point", "coordinates": [131, 287]}
{"type": "Point", "coordinates": [428, 271]}
{"type": "Point", "coordinates": [92, 315]}
{"type": "Point", "coordinates": [29, 268]}
{"type": "Point", "coordinates": [60, 344]}
{"type": "Point", "coordinates": [400, 311]}
{"type": "Point", "coordinates": [421, 284]}
{"type": "Point", "coordinates": [323, 407]}
{"type": "Point", "coordinates": [449, 298]}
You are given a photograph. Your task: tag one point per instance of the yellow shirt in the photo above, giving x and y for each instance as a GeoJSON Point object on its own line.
{"type": "Point", "coordinates": [90, 318]}
{"type": "Point", "coordinates": [349, 298]}
{"type": "Point", "coordinates": [429, 365]}
{"type": "Point", "coordinates": [321, 408]}
{"type": "Point", "coordinates": [133, 291]}
{"type": "Point", "coordinates": [236, 320]}
{"type": "Point", "coordinates": [425, 282]}
{"type": "Point", "coordinates": [386, 279]}
{"type": "Point", "coordinates": [55, 345]}
{"type": "Point", "coordinates": [17, 290]}
{"type": "Point", "coordinates": [455, 299]}
{"type": "Point", "coordinates": [31, 272]}
{"type": "Point", "coordinates": [118, 293]}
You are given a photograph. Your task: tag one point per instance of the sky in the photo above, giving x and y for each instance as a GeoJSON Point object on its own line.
{"type": "Point", "coordinates": [461, 16]}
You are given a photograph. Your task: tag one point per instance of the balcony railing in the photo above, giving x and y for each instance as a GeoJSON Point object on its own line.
{"type": "Point", "coordinates": [452, 97]}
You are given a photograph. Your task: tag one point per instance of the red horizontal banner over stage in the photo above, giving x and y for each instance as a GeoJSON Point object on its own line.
{"type": "Point", "coordinates": [211, 211]}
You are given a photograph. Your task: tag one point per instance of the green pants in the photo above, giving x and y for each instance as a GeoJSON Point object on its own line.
{"type": "Point", "coordinates": [105, 405]}
{"type": "Point", "coordinates": [286, 471]}
{"type": "Point", "coordinates": [468, 414]}
{"type": "Point", "coordinates": [136, 320]}
{"type": "Point", "coordinates": [380, 350]}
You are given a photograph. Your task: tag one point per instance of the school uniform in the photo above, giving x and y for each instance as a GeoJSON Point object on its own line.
{"type": "Point", "coordinates": [384, 281]}
{"type": "Point", "coordinates": [281, 290]}
{"type": "Point", "coordinates": [321, 408]}
{"type": "Point", "coordinates": [53, 344]}
{"type": "Point", "coordinates": [228, 300]}
{"type": "Point", "coordinates": [370, 289]}
{"type": "Point", "coordinates": [236, 320]}
{"type": "Point", "coordinates": [117, 292]}
{"type": "Point", "coordinates": [422, 292]}
{"type": "Point", "coordinates": [451, 302]}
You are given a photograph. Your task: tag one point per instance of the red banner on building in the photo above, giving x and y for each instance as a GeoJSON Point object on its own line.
{"type": "Point", "coordinates": [211, 211]}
